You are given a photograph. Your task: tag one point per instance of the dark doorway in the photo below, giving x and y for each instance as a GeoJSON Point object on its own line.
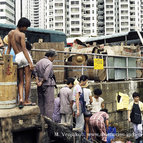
{"type": "Point", "coordinates": [26, 136]}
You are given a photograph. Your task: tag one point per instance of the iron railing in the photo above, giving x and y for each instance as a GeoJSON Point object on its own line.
{"type": "Point", "coordinates": [102, 56]}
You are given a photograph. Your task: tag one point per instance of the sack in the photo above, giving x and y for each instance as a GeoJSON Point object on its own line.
{"type": "Point", "coordinates": [135, 114]}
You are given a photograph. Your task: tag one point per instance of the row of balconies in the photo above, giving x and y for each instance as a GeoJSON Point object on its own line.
{"type": "Point", "coordinates": [100, 13]}
{"type": "Point", "coordinates": [100, 17]}
{"type": "Point", "coordinates": [100, 3]}
{"type": "Point", "coordinates": [101, 6]}
{"type": "Point", "coordinates": [100, 23]}
{"type": "Point", "coordinates": [6, 18]}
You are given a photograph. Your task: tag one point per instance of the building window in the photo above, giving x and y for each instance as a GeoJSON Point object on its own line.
{"type": "Point", "coordinates": [87, 12]}
{"type": "Point", "coordinates": [124, 29]}
{"type": "Point", "coordinates": [109, 23]}
{"type": "Point", "coordinates": [75, 29]}
{"type": "Point", "coordinates": [87, 18]}
{"type": "Point", "coordinates": [109, 6]}
{"type": "Point", "coordinates": [109, 12]}
{"type": "Point", "coordinates": [74, 9]}
{"type": "Point", "coordinates": [110, 1]}
{"type": "Point", "coordinates": [6, 18]}
{"type": "Point", "coordinates": [124, 17]}
{"type": "Point", "coordinates": [87, 25]}
{"type": "Point", "coordinates": [109, 18]}
{"type": "Point", "coordinates": [59, 30]}
{"type": "Point", "coordinates": [109, 29]}
{"type": "Point", "coordinates": [58, 4]}
{"type": "Point", "coordinates": [87, 6]}
{"type": "Point", "coordinates": [87, 31]}
{"type": "Point", "coordinates": [124, 23]}
{"type": "Point", "coordinates": [74, 2]}
{"type": "Point", "coordinates": [59, 18]}
{"type": "Point", "coordinates": [7, 11]}
{"type": "Point", "coordinates": [5, 3]}
{"type": "Point", "coordinates": [58, 24]}
{"type": "Point", "coordinates": [59, 11]}
{"type": "Point", "coordinates": [74, 22]}
{"type": "Point", "coordinates": [74, 16]}
{"type": "Point", "coordinates": [51, 26]}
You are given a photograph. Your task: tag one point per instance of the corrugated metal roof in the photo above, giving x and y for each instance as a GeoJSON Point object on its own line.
{"type": "Point", "coordinates": [106, 37]}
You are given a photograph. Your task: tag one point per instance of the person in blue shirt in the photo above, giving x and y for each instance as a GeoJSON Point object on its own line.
{"type": "Point", "coordinates": [5, 40]}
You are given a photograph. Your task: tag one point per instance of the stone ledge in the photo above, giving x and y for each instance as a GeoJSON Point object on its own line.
{"type": "Point", "coordinates": [4, 113]}
{"type": "Point", "coordinates": [20, 124]}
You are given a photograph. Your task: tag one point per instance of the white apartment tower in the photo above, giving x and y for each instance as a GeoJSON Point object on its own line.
{"type": "Point", "coordinates": [73, 17]}
{"type": "Point", "coordinates": [7, 11]}
{"type": "Point", "coordinates": [86, 17]}
{"type": "Point", "coordinates": [35, 12]}
{"type": "Point", "coordinates": [100, 17]}
{"type": "Point", "coordinates": [89, 15]}
{"type": "Point", "coordinates": [21, 9]}
{"type": "Point", "coordinates": [142, 14]}
{"type": "Point", "coordinates": [56, 16]}
{"type": "Point", "coordinates": [122, 16]}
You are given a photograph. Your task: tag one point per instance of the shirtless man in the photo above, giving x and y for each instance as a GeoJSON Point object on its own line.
{"type": "Point", "coordinates": [16, 40]}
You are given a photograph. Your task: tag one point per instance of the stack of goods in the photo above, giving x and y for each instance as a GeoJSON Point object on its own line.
{"type": "Point", "coordinates": [123, 50]}
{"type": "Point", "coordinates": [58, 46]}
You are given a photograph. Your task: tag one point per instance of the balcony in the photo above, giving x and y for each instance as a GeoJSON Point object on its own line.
{"type": "Point", "coordinates": [86, 2]}
{"type": "Point", "coordinates": [100, 17]}
{"type": "Point", "coordinates": [86, 21]}
{"type": "Point", "coordinates": [100, 23]}
{"type": "Point", "coordinates": [86, 15]}
{"type": "Point", "coordinates": [101, 1]}
{"type": "Point", "coordinates": [100, 13]}
{"type": "Point", "coordinates": [132, 5]}
{"type": "Point", "coordinates": [101, 6]}
{"type": "Point", "coordinates": [132, 16]}
{"type": "Point", "coordinates": [87, 26]}
{"type": "Point", "coordinates": [100, 28]}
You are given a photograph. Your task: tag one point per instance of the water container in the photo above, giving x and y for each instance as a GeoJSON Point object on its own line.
{"type": "Point", "coordinates": [111, 134]}
{"type": "Point", "coordinates": [8, 82]}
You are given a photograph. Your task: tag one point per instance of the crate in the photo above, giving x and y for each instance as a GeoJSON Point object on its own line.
{"type": "Point", "coordinates": [121, 74]}
{"type": "Point", "coordinates": [58, 46]}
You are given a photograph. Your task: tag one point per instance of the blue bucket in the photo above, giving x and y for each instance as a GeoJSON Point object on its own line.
{"type": "Point", "coordinates": [111, 134]}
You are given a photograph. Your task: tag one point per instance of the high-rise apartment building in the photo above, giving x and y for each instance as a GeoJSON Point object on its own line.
{"type": "Point", "coordinates": [122, 15]}
{"type": "Point", "coordinates": [21, 9]}
{"type": "Point", "coordinates": [73, 17]}
{"type": "Point", "coordinates": [100, 18]}
{"type": "Point", "coordinates": [7, 11]}
{"type": "Point", "coordinates": [86, 17]}
{"type": "Point", "coordinates": [142, 15]}
{"type": "Point", "coordinates": [56, 16]}
{"type": "Point", "coordinates": [35, 10]}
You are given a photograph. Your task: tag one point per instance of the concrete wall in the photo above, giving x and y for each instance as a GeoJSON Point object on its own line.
{"type": "Point", "coordinates": [118, 118]}
{"type": "Point", "coordinates": [20, 126]}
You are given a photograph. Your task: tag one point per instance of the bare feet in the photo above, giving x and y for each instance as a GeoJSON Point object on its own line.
{"type": "Point", "coordinates": [20, 106]}
{"type": "Point", "coordinates": [28, 103]}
